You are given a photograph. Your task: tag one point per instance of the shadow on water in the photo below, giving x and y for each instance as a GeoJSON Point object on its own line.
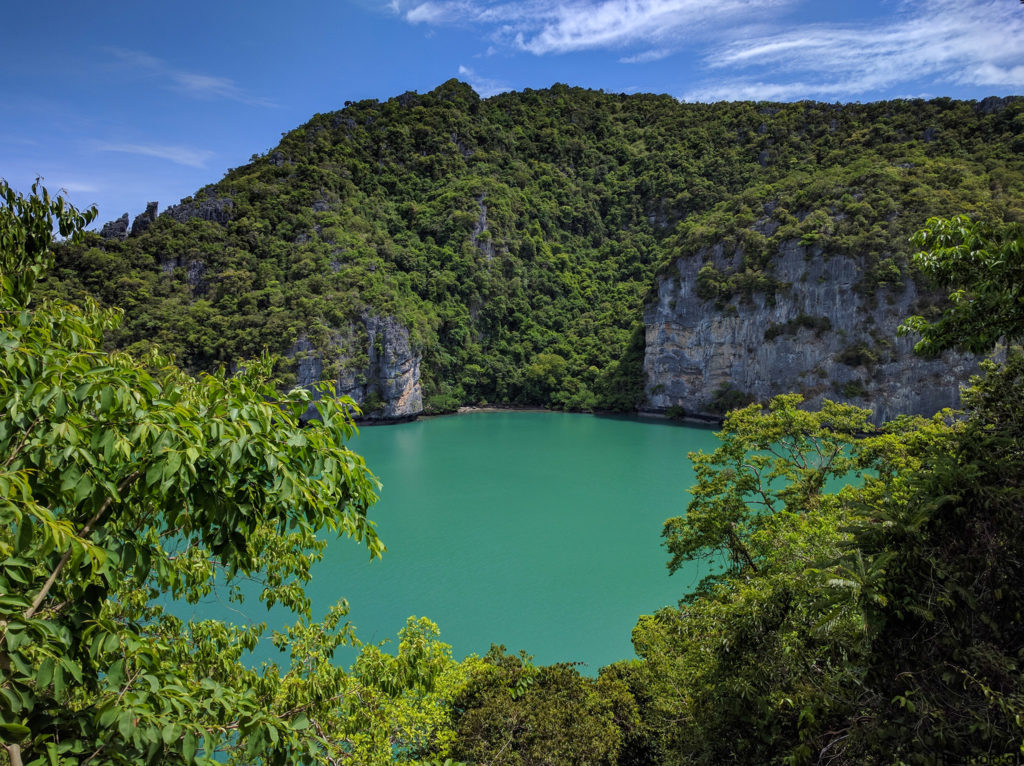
{"type": "Point", "coordinates": [708, 424]}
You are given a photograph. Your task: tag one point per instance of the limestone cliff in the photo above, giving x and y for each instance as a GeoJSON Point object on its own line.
{"type": "Point", "coordinates": [385, 383]}
{"type": "Point", "coordinates": [144, 219]}
{"type": "Point", "coordinates": [207, 207]}
{"type": "Point", "coordinates": [817, 335]}
{"type": "Point", "coordinates": [117, 229]}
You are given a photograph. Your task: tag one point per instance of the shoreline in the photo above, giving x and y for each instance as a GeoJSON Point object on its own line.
{"type": "Point", "coordinates": [649, 415]}
{"type": "Point", "coordinates": [497, 408]}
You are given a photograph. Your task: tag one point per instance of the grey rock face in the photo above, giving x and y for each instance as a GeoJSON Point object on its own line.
{"type": "Point", "coordinates": [819, 337]}
{"type": "Point", "coordinates": [115, 229]}
{"type": "Point", "coordinates": [460, 144]}
{"type": "Point", "coordinates": [409, 99]}
{"type": "Point", "coordinates": [482, 242]}
{"type": "Point", "coordinates": [387, 387]}
{"type": "Point", "coordinates": [216, 209]}
{"type": "Point", "coordinates": [143, 220]}
{"type": "Point", "coordinates": [994, 104]}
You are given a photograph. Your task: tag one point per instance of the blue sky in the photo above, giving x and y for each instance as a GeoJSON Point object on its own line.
{"type": "Point", "coordinates": [120, 103]}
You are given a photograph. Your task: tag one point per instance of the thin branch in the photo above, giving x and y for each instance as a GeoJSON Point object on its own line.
{"type": "Point", "coordinates": [738, 545]}
{"type": "Point", "coordinates": [21, 444]}
{"type": "Point", "coordinates": [41, 596]}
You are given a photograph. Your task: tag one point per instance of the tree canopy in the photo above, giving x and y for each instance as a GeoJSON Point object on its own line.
{"type": "Point", "coordinates": [984, 265]}
{"type": "Point", "coordinates": [125, 483]}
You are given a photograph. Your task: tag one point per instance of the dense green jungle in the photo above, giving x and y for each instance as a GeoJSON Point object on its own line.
{"type": "Point", "coordinates": [517, 237]}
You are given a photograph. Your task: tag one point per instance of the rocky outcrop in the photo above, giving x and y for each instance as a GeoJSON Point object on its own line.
{"type": "Point", "coordinates": [819, 336]}
{"type": "Point", "coordinates": [385, 383]}
{"type": "Point", "coordinates": [195, 271]}
{"type": "Point", "coordinates": [144, 219]}
{"type": "Point", "coordinates": [115, 229]}
{"type": "Point", "coordinates": [208, 208]}
{"type": "Point", "coordinates": [994, 104]}
{"type": "Point", "coordinates": [480, 235]}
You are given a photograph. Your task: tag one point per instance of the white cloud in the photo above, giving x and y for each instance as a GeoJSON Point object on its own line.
{"type": "Point", "coordinates": [436, 13]}
{"type": "Point", "coordinates": [181, 155]}
{"type": "Point", "coordinates": [952, 41]}
{"type": "Point", "coordinates": [756, 49]}
{"type": "Point", "coordinates": [205, 86]}
{"type": "Point", "coordinates": [647, 56]}
{"type": "Point", "coordinates": [137, 59]}
{"type": "Point", "coordinates": [615, 23]}
{"type": "Point", "coordinates": [190, 83]}
{"type": "Point", "coordinates": [484, 86]}
{"type": "Point", "coordinates": [72, 186]}
{"type": "Point", "coordinates": [545, 27]}
{"type": "Point", "coordinates": [987, 73]}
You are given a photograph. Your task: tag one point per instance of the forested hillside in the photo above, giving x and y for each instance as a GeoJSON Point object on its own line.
{"type": "Point", "coordinates": [509, 243]}
{"type": "Point", "coordinates": [882, 623]}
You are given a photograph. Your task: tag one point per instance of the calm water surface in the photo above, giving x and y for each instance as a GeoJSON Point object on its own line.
{"type": "Point", "coordinates": [540, 531]}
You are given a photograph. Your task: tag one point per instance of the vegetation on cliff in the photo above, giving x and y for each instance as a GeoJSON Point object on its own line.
{"type": "Point", "coordinates": [518, 235]}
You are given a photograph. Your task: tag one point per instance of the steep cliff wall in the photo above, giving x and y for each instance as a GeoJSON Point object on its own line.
{"type": "Point", "coordinates": [818, 336]}
{"type": "Point", "coordinates": [385, 383]}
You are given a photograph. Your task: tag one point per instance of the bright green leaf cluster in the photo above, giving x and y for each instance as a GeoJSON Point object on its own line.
{"type": "Point", "coordinates": [124, 480]}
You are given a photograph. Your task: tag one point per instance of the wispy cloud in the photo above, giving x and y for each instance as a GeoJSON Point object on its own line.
{"type": "Point", "coordinates": [545, 27]}
{"type": "Point", "coordinates": [181, 155]}
{"type": "Point", "coordinates": [482, 85]}
{"type": "Point", "coordinates": [941, 41]}
{"type": "Point", "coordinates": [761, 49]}
{"type": "Point", "coordinates": [73, 186]}
{"type": "Point", "coordinates": [646, 57]}
{"type": "Point", "coordinates": [10, 138]}
{"type": "Point", "coordinates": [205, 86]}
{"type": "Point", "coordinates": [192, 84]}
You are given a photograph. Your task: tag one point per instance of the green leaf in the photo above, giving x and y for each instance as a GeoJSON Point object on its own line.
{"type": "Point", "coordinates": [45, 673]}
{"type": "Point", "coordinates": [108, 716]}
{"type": "Point", "coordinates": [115, 673]}
{"type": "Point", "coordinates": [58, 681]}
{"type": "Point", "coordinates": [12, 699]}
{"type": "Point", "coordinates": [13, 732]}
{"type": "Point", "coordinates": [189, 745]}
{"type": "Point", "coordinates": [24, 537]}
{"type": "Point", "coordinates": [170, 733]}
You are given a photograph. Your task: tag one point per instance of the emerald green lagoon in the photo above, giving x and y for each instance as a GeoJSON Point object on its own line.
{"type": "Point", "coordinates": [537, 530]}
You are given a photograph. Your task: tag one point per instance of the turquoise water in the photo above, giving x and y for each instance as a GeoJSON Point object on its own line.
{"type": "Point", "coordinates": [540, 531]}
